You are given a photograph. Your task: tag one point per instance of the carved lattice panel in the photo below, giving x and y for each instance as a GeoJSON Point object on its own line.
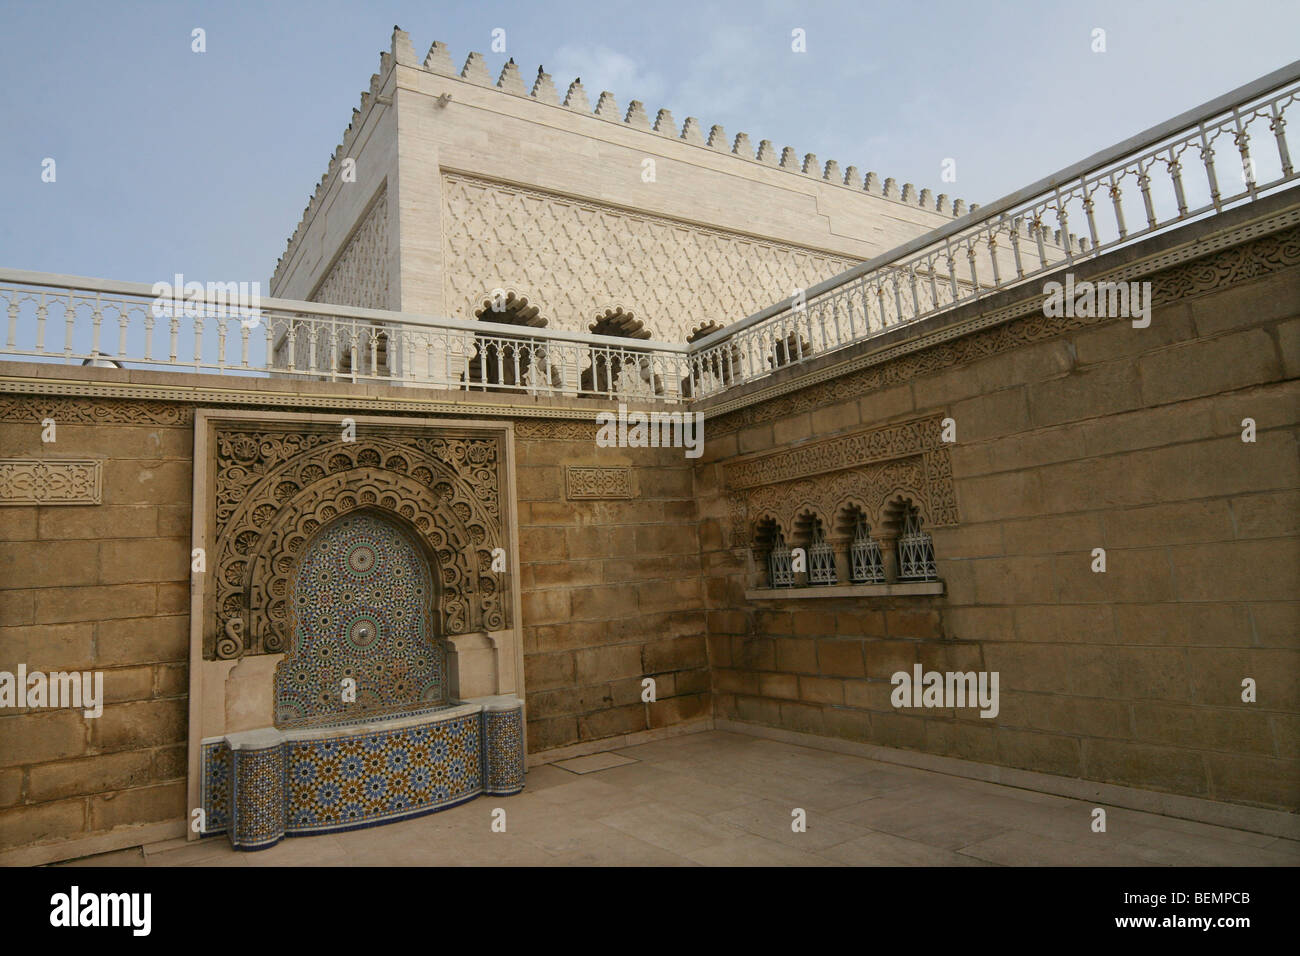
{"type": "Point", "coordinates": [866, 470]}
{"type": "Point", "coordinates": [572, 258]}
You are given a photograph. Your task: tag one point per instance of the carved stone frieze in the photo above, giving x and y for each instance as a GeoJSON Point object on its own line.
{"type": "Point", "coordinates": [93, 411]}
{"type": "Point", "coordinates": [556, 429]}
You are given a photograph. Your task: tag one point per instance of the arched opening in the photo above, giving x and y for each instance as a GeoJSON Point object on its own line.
{"type": "Point", "coordinates": [773, 553]}
{"type": "Point", "coordinates": [915, 550]}
{"type": "Point", "coordinates": [365, 638]}
{"type": "Point", "coordinates": [502, 362]}
{"type": "Point", "coordinates": [712, 372]}
{"type": "Point", "coordinates": [866, 560]}
{"type": "Point", "coordinates": [810, 534]}
{"type": "Point", "coordinates": [617, 370]}
{"type": "Point", "coordinates": [787, 350]}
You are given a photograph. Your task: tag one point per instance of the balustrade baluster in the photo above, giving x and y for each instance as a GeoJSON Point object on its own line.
{"type": "Point", "coordinates": [1144, 184]}
{"type": "Point", "coordinates": [1015, 248]}
{"type": "Point", "coordinates": [1278, 125]}
{"type": "Point", "coordinates": [1176, 177]}
{"type": "Point", "coordinates": [1207, 160]}
{"type": "Point", "coordinates": [97, 321]}
{"type": "Point", "coordinates": [69, 326]}
{"type": "Point", "coordinates": [41, 313]}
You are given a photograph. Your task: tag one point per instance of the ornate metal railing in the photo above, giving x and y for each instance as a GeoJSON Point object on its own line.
{"type": "Point", "coordinates": [1230, 151]}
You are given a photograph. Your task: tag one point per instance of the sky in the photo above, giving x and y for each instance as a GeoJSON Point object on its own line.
{"type": "Point", "coordinates": [167, 160]}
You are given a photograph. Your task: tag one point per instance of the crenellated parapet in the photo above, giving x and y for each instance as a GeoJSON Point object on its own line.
{"type": "Point", "coordinates": [543, 90]}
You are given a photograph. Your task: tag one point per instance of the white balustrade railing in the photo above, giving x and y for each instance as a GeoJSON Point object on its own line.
{"type": "Point", "coordinates": [1230, 151]}
{"type": "Point", "coordinates": [73, 319]}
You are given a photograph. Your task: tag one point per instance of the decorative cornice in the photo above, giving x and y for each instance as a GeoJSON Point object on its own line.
{"type": "Point", "coordinates": [151, 395]}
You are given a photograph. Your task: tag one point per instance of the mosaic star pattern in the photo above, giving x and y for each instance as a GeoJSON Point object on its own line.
{"type": "Point", "coordinates": [215, 797]}
{"type": "Point", "coordinates": [503, 754]}
{"type": "Point", "coordinates": [259, 778]}
{"type": "Point", "coordinates": [362, 602]}
{"type": "Point", "coordinates": [348, 782]}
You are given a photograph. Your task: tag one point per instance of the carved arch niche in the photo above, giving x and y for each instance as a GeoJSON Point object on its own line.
{"type": "Point", "coordinates": [867, 473]}
{"type": "Point", "coordinates": [266, 483]}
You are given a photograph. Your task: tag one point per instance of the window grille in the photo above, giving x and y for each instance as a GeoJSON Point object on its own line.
{"type": "Point", "coordinates": [779, 564]}
{"type": "Point", "coordinates": [915, 552]}
{"type": "Point", "coordinates": [821, 559]}
{"type": "Point", "coordinates": [867, 565]}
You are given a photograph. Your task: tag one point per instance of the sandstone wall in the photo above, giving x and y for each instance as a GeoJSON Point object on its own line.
{"type": "Point", "coordinates": [1089, 434]}
{"type": "Point", "coordinates": [610, 587]}
{"type": "Point", "coordinates": [611, 590]}
{"type": "Point", "coordinates": [98, 588]}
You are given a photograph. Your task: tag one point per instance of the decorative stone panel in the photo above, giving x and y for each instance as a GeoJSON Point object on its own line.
{"type": "Point", "coordinates": [582, 481]}
{"type": "Point", "coordinates": [44, 481]}
{"type": "Point", "coordinates": [361, 277]}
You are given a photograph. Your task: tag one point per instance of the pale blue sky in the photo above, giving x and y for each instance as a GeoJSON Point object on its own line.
{"type": "Point", "coordinates": [171, 161]}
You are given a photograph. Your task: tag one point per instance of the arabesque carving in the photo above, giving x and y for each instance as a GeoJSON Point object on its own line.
{"type": "Point", "coordinates": [866, 470]}
{"type": "Point", "coordinates": [273, 488]}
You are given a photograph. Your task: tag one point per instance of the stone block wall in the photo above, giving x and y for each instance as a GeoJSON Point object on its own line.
{"type": "Point", "coordinates": [610, 584]}
{"type": "Point", "coordinates": [98, 588]}
{"type": "Point", "coordinates": [1095, 435]}
{"type": "Point", "coordinates": [611, 588]}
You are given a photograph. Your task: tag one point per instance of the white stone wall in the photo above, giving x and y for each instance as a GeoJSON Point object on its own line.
{"type": "Point", "coordinates": [496, 184]}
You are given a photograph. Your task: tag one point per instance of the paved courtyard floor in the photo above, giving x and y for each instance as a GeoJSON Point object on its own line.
{"type": "Point", "coordinates": [725, 799]}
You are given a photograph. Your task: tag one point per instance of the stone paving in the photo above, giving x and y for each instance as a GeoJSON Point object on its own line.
{"type": "Point", "coordinates": [724, 799]}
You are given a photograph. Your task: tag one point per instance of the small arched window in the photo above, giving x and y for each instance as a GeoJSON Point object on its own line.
{"type": "Point", "coordinates": [821, 558]}
{"type": "Point", "coordinates": [866, 563]}
{"type": "Point", "coordinates": [780, 567]}
{"type": "Point", "coordinates": [915, 551]}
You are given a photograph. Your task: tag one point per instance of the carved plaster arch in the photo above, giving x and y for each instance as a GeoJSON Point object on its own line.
{"type": "Point", "coordinates": [479, 307]}
{"type": "Point", "coordinates": [445, 488]}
